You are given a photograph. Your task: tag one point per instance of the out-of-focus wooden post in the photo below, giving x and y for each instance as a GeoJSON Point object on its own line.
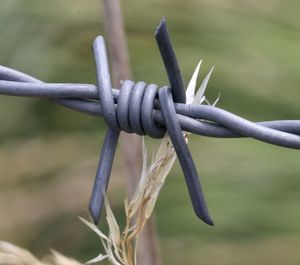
{"type": "Point", "coordinates": [148, 251]}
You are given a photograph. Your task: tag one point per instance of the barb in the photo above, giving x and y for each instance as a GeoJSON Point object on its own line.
{"type": "Point", "coordinates": [146, 110]}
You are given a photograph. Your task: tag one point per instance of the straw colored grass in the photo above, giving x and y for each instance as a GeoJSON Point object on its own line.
{"type": "Point", "coordinates": [14, 255]}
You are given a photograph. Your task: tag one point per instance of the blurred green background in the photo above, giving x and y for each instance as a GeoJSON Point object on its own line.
{"type": "Point", "coordinates": [48, 154]}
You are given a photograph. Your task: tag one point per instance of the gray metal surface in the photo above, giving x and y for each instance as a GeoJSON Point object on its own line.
{"type": "Point", "coordinates": [192, 118]}
{"type": "Point", "coordinates": [148, 110]}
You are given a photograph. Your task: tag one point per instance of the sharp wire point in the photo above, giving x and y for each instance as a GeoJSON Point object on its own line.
{"type": "Point", "coordinates": [172, 123]}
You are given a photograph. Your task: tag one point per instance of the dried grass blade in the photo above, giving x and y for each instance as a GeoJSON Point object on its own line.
{"type": "Point", "coordinates": [94, 228]}
{"type": "Point", "coordinates": [190, 91]}
{"type": "Point", "coordinates": [201, 90]}
{"type": "Point", "coordinates": [97, 259]}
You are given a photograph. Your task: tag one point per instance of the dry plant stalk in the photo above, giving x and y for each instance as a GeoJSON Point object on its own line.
{"type": "Point", "coordinates": [14, 255]}
{"type": "Point", "coordinates": [121, 248]}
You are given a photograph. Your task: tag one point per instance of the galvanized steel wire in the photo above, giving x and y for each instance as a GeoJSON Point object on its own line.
{"type": "Point", "coordinates": [146, 109]}
{"type": "Point", "coordinates": [198, 119]}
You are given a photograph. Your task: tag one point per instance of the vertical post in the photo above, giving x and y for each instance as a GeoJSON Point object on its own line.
{"type": "Point", "coordinates": [148, 251]}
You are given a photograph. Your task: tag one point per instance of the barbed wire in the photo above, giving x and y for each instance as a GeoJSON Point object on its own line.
{"type": "Point", "coordinates": [198, 119]}
{"type": "Point", "coordinates": [145, 109]}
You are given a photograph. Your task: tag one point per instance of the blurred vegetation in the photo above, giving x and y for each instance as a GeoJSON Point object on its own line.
{"type": "Point", "coordinates": [48, 154]}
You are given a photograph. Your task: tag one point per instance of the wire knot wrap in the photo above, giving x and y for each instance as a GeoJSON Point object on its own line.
{"type": "Point", "coordinates": [134, 114]}
{"type": "Point", "coordinates": [135, 109]}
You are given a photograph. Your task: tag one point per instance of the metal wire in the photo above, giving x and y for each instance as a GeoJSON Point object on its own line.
{"type": "Point", "coordinates": [198, 119]}
{"type": "Point", "coordinates": [145, 109]}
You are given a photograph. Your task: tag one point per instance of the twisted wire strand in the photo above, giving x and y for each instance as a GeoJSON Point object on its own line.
{"type": "Point", "coordinates": [198, 119]}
